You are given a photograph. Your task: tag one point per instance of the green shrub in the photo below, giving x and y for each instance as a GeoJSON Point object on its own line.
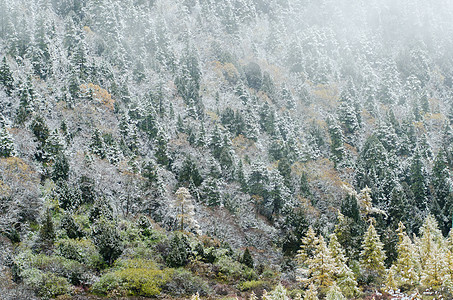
{"type": "Point", "coordinates": [229, 268]}
{"type": "Point", "coordinates": [46, 284]}
{"type": "Point", "coordinates": [252, 285]}
{"type": "Point", "coordinates": [72, 270]}
{"type": "Point", "coordinates": [133, 277]}
{"type": "Point", "coordinates": [81, 250]}
{"type": "Point", "coordinates": [184, 283]}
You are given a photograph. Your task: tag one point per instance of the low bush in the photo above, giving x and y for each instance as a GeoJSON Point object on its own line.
{"type": "Point", "coordinates": [133, 277]}
{"type": "Point", "coordinates": [253, 285]}
{"type": "Point", "coordinates": [46, 284]}
{"type": "Point", "coordinates": [81, 250]}
{"type": "Point", "coordinates": [184, 283]}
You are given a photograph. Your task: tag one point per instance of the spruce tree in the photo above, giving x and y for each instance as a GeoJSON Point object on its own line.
{"type": "Point", "coordinates": [321, 268]}
{"type": "Point", "coordinates": [6, 77]}
{"type": "Point", "coordinates": [47, 233]}
{"type": "Point", "coordinates": [432, 254]}
{"type": "Point", "coordinates": [344, 276]}
{"type": "Point", "coordinates": [247, 258]}
{"type": "Point", "coordinates": [6, 143]}
{"type": "Point", "coordinates": [311, 293]}
{"type": "Point", "coordinates": [372, 256]}
{"type": "Point", "coordinates": [334, 293]}
{"type": "Point", "coordinates": [405, 266]}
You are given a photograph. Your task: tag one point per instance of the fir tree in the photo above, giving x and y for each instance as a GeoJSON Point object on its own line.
{"type": "Point", "coordinates": [179, 251]}
{"type": "Point", "coordinates": [431, 253]}
{"type": "Point", "coordinates": [344, 276]}
{"type": "Point", "coordinates": [334, 293]}
{"type": "Point", "coordinates": [337, 149]}
{"type": "Point", "coordinates": [247, 258]}
{"type": "Point", "coordinates": [405, 266]}
{"type": "Point", "coordinates": [107, 239]}
{"type": "Point", "coordinates": [6, 143]}
{"type": "Point", "coordinates": [6, 77]}
{"type": "Point", "coordinates": [321, 268]}
{"type": "Point", "coordinates": [311, 293]}
{"type": "Point", "coordinates": [372, 256]}
{"type": "Point", "coordinates": [47, 234]}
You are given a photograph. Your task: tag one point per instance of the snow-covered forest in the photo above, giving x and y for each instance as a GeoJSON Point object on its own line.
{"type": "Point", "coordinates": [258, 149]}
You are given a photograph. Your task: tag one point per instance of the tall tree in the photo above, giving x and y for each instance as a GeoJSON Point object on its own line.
{"type": "Point", "coordinates": [372, 256]}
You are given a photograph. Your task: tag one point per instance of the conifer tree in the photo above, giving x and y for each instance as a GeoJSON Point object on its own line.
{"type": "Point", "coordinates": [372, 256]}
{"type": "Point", "coordinates": [6, 77]}
{"type": "Point", "coordinates": [334, 293]}
{"type": "Point", "coordinates": [449, 259]}
{"type": "Point", "coordinates": [186, 210]}
{"type": "Point", "coordinates": [308, 247]}
{"type": "Point", "coordinates": [46, 232]}
{"type": "Point", "coordinates": [337, 150]}
{"type": "Point", "coordinates": [405, 267]}
{"type": "Point", "coordinates": [431, 253]}
{"type": "Point", "coordinates": [443, 194]}
{"type": "Point", "coordinates": [344, 276]}
{"type": "Point", "coordinates": [278, 293]}
{"type": "Point", "coordinates": [6, 143]}
{"type": "Point", "coordinates": [311, 293]}
{"type": "Point", "coordinates": [390, 281]}
{"type": "Point", "coordinates": [247, 258]}
{"type": "Point", "coordinates": [321, 268]}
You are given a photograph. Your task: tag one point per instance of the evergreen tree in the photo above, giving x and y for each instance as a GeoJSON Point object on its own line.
{"type": "Point", "coordinates": [60, 168]}
{"type": "Point", "coordinates": [311, 293]}
{"type": "Point", "coordinates": [308, 247]}
{"type": "Point", "coordinates": [186, 210]}
{"type": "Point", "coordinates": [72, 229]}
{"type": "Point", "coordinates": [418, 182]}
{"type": "Point", "coordinates": [278, 293]}
{"type": "Point", "coordinates": [334, 293]}
{"type": "Point", "coordinates": [372, 256]}
{"type": "Point", "coordinates": [107, 239]}
{"type": "Point", "coordinates": [344, 276]}
{"type": "Point", "coordinates": [321, 268]}
{"type": "Point", "coordinates": [47, 233]}
{"type": "Point", "coordinates": [431, 253]}
{"type": "Point", "coordinates": [179, 251]}
{"type": "Point", "coordinates": [337, 149]}
{"type": "Point", "coordinates": [6, 77]}
{"type": "Point", "coordinates": [405, 266]}
{"type": "Point", "coordinates": [443, 194]}
{"type": "Point", "coordinates": [247, 258]}
{"type": "Point", "coordinates": [6, 143]}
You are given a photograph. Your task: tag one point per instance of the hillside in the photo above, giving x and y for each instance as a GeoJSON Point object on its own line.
{"type": "Point", "coordinates": [164, 148]}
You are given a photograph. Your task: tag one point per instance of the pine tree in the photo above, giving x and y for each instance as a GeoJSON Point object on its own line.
{"type": "Point", "coordinates": [278, 293]}
{"type": "Point", "coordinates": [6, 143]}
{"type": "Point", "coordinates": [432, 254]}
{"type": "Point", "coordinates": [449, 260]}
{"type": "Point", "coordinates": [372, 256]}
{"type": "Point", "coordinates": [247, 258]}
{"type": "Point", "coordinates": [337, 149]}
{"type": "Point", "coordinates": [311, 293]}
{"type": "Point", "coordinates": [186, 210]}
{"type": "Point", "coordinates": [47, 233]}
{"type": "Point", "coordinates": [107, 239]}
{"type": "Point", "coordinates": [418, 182]}
{"type": "Point", "coordinates": [442, 193]}
{"type": "Point", "coordinates": [6, 77]}
{"type": "Point", "coordinates": [321, 268]}
{"type": "Point", "coordinates": [405, 266]}
{"type": "Point", "coordinates": [334, 293]}
{"type": "Point", "coordinates": [390, 281]}
{"type": "Point", "coordinates": [308, 247]}
{"type": "Point", "coordinates": [344, 276]}
{"type": "Point", "coordinates": [179, 251]}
